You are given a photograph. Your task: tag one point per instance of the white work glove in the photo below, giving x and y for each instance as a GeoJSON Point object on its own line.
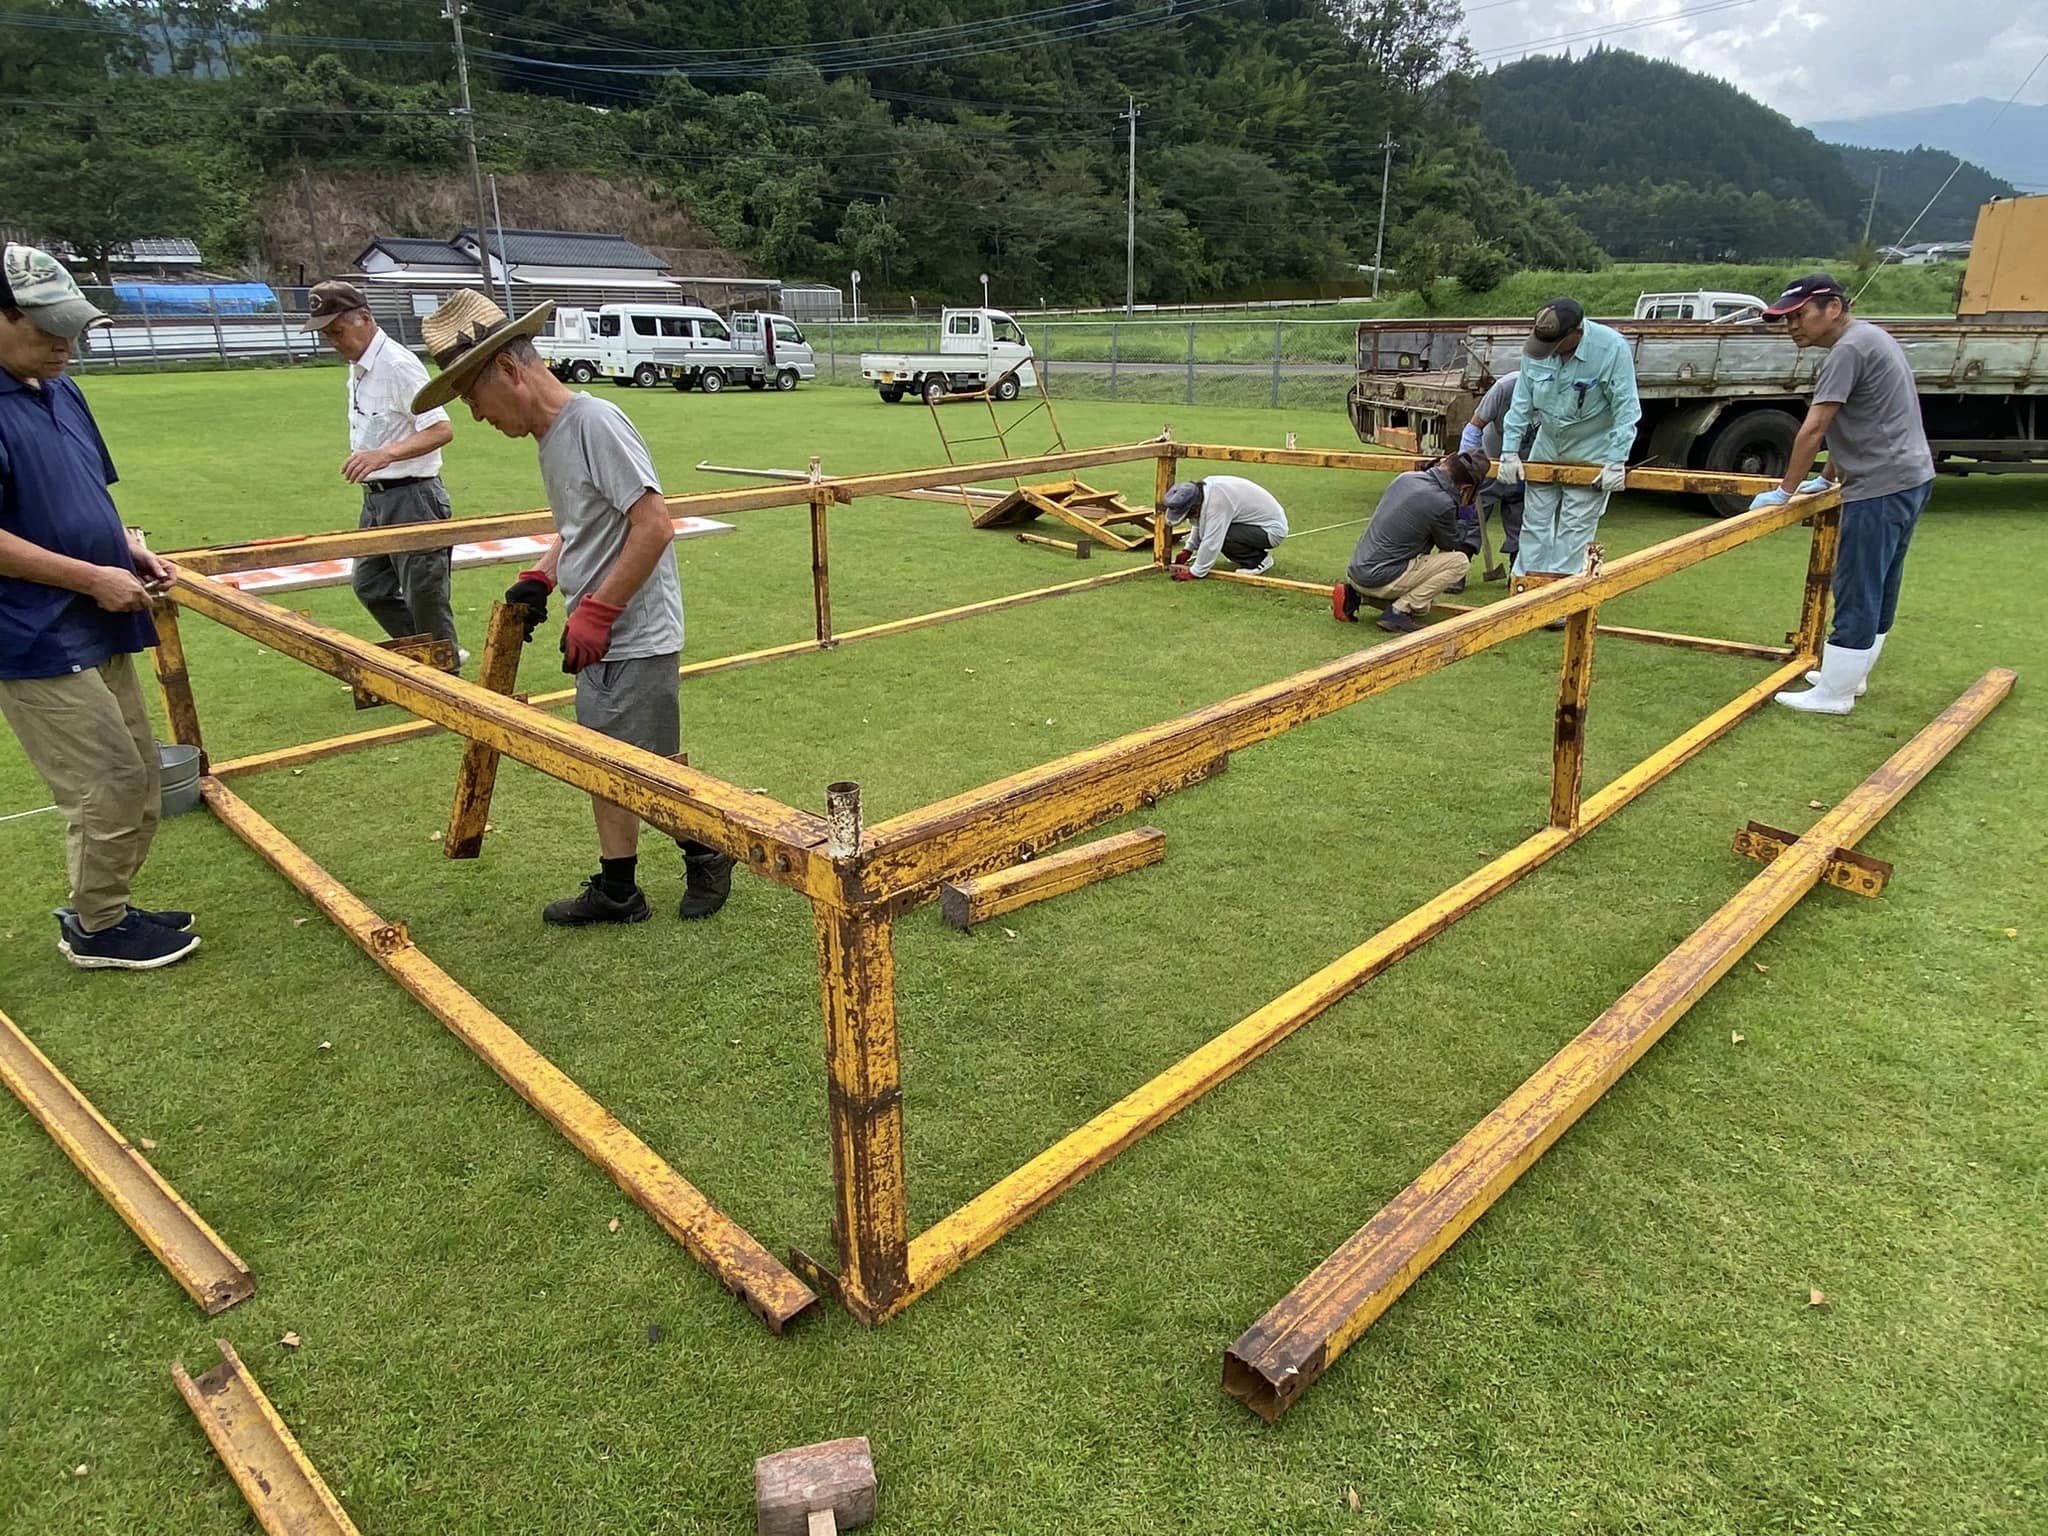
{"type": "Point", "coordinates": [1510, 471]}
{"type": "Point", "coordinates": [1613, 477]}
{"type": "Point", "coordinates": [1776, 496]}
{"type": "Point", "coordinates": [1814, 486]}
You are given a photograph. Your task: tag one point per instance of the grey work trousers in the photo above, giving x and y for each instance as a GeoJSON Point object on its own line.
{"type": "Point", "coordinates": [407, 593]}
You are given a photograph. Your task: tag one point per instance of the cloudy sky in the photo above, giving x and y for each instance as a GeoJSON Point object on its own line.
{"type": "Point", "coordinates": [1810, 59]}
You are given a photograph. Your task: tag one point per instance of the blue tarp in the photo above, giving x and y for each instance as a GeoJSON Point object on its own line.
{"type": "Point", "coordinates": [198, 298]}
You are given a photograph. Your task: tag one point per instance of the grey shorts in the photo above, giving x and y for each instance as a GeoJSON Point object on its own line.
{"type": "Point", "coordinates": [633, 701]}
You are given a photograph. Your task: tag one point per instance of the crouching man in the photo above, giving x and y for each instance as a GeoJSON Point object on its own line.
{"type": "Point", "coordinates": [1233, 517]}
{"type": "Point", "coordinates": [1419, 544]}
{"type": "Point", "coordinates": [613, 564]}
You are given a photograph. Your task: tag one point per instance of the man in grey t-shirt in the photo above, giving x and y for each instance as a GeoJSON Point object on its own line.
{"type": "Point", "coordinates": [1866, 410]}
{"type": "Point", "coordinates": [613, 564]}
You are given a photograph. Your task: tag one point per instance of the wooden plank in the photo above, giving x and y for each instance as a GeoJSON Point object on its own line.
{"type": "Point", "coordinates": [967, 902]}
{"type": "Point", "coordinates": [285, 1492]}
{"type": "Point", "coordinates": [1568, 737]}
{"type": "Point", "coordinates": [714, 1239]}
{"type": "Point", "coordinates": [1282, 1354]}
{"type": "Point", "coordinates": [776, 841]}
{"type": "Point", "coordinates": [954, 1239]}
{"type": "Point", "coordinates": [211, 1273]}
{"type": "Point", "coordinates": [477, 777]}
{"type": "Point", "coordinates": [909, 854]}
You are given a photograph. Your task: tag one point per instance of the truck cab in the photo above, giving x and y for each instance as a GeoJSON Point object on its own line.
{"type": "Point", "coordinates": [772, 348]}
{"type": "Point", "coordinates": [1715, 306]}
{"type": "Point", "coordinates": [979, 349]}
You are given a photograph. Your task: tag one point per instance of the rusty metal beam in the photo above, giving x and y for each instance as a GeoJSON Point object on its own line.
{"type": "Point", "coordinates": [174, 679]}
{"type": "Point", "coordinates": [954, 1239]}
{"type": "Point", "coordinates": [1847, 870]}
{"type": "Point", "coordinates": [477, 777]}
{"type": "Point", "coordinates": [1568, 738]}
{"type": "Point", "coordinates": [821, 564]}
{"type": "Point", "coordinates": [908, 855]}
{"type": "Point", "coordinates": [1697, 481]}
{"type": "Point", "coordinates": [1282, 1354]}
{"type": "Point", "coordinates": [776, 841]}
{"type": "Point", "coordinates": [211, 1273]}
{"type": "Point", "coordinates": [714, 1239]}
{"type": "Point", "coordinates": [967, 902]}
{"type": "Point", "coordinates": [285, 1492]}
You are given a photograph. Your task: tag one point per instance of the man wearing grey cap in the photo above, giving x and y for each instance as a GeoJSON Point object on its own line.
{"type": "Point", "coordinates": [75, 591]}
{"type": "Point", "coordinates": [395, 456]}
{"type": "Point", "coordinates": [1419, 544]}
{"type": "Point", "coordinates": [1577, 389]}
{"type": "Point", "coordinates": [1233, 517]}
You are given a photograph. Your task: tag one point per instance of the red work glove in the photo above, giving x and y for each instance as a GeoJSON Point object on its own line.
{"type": "Point", "coordinates": [589, 633]}
{"type": "Point", "coordinates": [1183, 573]}
{"type": "Point", "coordinates": [1185, 555]}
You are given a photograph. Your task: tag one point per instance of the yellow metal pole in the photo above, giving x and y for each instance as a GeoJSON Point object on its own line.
{"type": "Point", "coordinates": [475, 780]}
{"type": "Point", "coordinates": [1568, 745]}
{"type": "Point", "coordinates": [821, 564]}
{"type": "Point", "coordinates": [1162, 482]}
{"type": "Point", "coordinates": [1820, 577]}
{"type": "Point", "coordinates": [1279, 1356]}
{"type": "Point", "coordinates": [285, 1491]}
{"type": "Point", "coordinates": [174, 680]}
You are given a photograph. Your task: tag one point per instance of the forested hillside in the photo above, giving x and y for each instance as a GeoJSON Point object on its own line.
{"type": "Point", "coordinates": [919, 140]}
{"type": "Point", "coordinates": [1659, 163]}
{"type": "Point", "coordinates": [1906, 178]}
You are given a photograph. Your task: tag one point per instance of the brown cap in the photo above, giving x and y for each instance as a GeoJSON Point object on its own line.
{"type": "Point", "coordinates": [1468, 468]}
{"type": "Point", "coordinates": [330, 300]}
{"type": "Point", "coordinates": [1555, 321]}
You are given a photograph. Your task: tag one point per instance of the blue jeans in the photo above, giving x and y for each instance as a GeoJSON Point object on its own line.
{"type": "Point", "coordinates": [1870, 563]}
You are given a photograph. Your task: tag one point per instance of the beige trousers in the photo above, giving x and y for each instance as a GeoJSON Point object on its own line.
{"type": "Point", "coordinates": [1416, 589]}
{"type": "Point", "coordinates": [87, 733]}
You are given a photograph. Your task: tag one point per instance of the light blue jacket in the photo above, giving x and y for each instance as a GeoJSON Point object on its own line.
{"type": "Point", "coordinates": [1584, 406]}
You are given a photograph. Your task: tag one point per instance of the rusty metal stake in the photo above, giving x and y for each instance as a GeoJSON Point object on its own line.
{"type": "Point", "coordinates": [469, 817]}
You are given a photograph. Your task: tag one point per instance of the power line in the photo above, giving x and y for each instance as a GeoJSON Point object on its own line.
{"type": "Point", "coordinates": [1592, 34]}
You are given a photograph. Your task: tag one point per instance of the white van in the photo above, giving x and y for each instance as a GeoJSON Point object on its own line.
{"type": "Point", "coordinates": [693, 348]}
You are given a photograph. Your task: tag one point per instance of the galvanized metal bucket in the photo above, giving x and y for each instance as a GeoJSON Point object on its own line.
{"type": "Point", "coordinates": [180, 784]}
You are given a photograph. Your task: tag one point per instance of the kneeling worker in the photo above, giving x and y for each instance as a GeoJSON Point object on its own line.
{"type": "Point", "coordinates": [613, 562]}
{"type": "Point", "coordinates": [1233, 518]}
{"type": "Point", "coordinates": [1419, 544]}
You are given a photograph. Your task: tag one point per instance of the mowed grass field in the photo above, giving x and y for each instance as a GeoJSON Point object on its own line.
{"type": "Point", "coordinates": [1625, 1344]}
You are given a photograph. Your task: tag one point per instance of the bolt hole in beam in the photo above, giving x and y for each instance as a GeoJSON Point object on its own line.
{"type": "Point", "coordinates": [1281, 1355]}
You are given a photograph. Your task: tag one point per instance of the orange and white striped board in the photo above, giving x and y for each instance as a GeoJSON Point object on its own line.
{"type": "Point", "coordinates": [335, 573]}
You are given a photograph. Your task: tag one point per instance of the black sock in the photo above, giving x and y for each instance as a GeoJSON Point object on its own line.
{"type": "Point", "coordinates": [616, 876]}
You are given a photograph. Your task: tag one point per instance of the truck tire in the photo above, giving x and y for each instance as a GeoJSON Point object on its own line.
{"type": "Point", "coordinates": [711, 381]}
{"type": "Point", "coordinates": [934, 388]}
{"type": "Point", "coordinates": [890, 393]}
{"type": "Point", "coordinates": [1008, 388]}
{"type": "Point", "coordinates": [1755, 443]}
{"type": "Point", "coordinates": [786, 380]}
{"type": "Point", "coordinates": [647, 376]}
{"type": "Point", "coordinates": [582, 372]}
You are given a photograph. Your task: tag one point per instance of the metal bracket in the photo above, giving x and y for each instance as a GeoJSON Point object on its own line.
{"type": "Point", "coordinates": [1848, 870]}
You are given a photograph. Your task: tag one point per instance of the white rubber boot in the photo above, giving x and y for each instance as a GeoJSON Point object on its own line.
{"type": "Point", "coordinates": [1842, 672]}
{"type": "Point", "coordinates": [1876, 650]}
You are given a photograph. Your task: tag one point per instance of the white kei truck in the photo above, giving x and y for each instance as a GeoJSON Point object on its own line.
{"type": "Point", "coordinates": [686, 344]}
{"type": "Point", "coordinates": [979, 349]}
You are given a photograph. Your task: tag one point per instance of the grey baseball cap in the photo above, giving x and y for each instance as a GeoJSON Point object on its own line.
{"type": "Point", "coordinates": [1183, 499]}
{"type": "Point", "coordinates": [35, 282]}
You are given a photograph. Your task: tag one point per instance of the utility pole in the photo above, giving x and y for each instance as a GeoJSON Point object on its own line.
{"type": "Point", "coordinates": [312, 223]}
{"type": "Point", "coordinates": [1870, 213]}
{"type": "Point", "coordinates": [468, 119]}
{"type": "Point", "coordinates": [1131, 212]}
{"type": "Point", "coordinates": [504, 267]}
{"type": "Point", "coordinates": [1379, 248]}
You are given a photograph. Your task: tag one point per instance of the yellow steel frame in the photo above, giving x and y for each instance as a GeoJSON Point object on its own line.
{"type": "Point", "coordinates": [861, 879]}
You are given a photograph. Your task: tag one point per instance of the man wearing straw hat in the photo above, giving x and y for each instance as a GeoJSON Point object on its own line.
{"type": "Point", "coordinates": [613, 564]}
{"type": "Point", "coordinates": [75, 589]}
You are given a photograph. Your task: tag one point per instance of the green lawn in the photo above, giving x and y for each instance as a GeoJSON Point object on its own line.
{"type": "Point", "coordinates": [1623, 1345]}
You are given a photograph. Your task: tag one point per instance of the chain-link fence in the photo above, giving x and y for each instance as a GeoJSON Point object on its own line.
{"type": "Point", "coordinates": [1206, 361]}
{"type": "Point", "coordinates": [1293, 363]}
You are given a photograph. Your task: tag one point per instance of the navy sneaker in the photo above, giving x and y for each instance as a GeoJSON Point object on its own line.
{"type": "Point", "coordinates": [594, 904]}
{"type": "Point", "coordinates": [1399, 623]}
{"type": "Point", "coordinates": [171, 918]}
{"type": "Point", "coordinates": [133, 944]}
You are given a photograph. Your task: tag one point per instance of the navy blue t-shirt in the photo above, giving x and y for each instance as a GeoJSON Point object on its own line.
{"type": "Point", "coordinates": [54, 474]}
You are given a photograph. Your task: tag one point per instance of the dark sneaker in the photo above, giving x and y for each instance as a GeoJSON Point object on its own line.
{"type": "Point", "coordinates": [1343, 603]}
{"type": "Point", "coordinates": [708, 882]}
{"type": "Point", "coordinates": [177, 922]}
{"type": "Point", "coordinates": [1399, 623]}
{"type": "Point", "coordinates": [133, 944]}
{"type": "Point", "coordinates": [1456, 586]}
{"type": "Point", "coordinates": [594, 904]}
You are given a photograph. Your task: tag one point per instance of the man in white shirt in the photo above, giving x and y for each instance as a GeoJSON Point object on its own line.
{"type": "Point", "coordinates": [1232, 517]}
{"type": "Point", "coordinates": [395, 456]}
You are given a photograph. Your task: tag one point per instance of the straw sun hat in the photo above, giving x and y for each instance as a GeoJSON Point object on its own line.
{"type": "Point", "coordinates": [464, 334]}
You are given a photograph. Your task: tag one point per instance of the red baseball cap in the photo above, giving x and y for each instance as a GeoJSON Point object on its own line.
{"type": "Point", "coordinates": [1815, 285]}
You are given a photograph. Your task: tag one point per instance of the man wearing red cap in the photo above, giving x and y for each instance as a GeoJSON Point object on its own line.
{"type": "Point", "coordinates": [1866, 411]}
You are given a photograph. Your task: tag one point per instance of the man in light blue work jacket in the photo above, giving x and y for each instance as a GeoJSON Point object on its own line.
{"type": "Point", "coordinates": [1578, 389]}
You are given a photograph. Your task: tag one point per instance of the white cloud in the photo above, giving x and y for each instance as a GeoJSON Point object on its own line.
{"type": "Point", "coordinates": [1810, 59]}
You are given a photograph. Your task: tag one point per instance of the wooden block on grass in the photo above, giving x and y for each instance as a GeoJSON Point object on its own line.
{"type": "Point", "coordinates": [964, 903]}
